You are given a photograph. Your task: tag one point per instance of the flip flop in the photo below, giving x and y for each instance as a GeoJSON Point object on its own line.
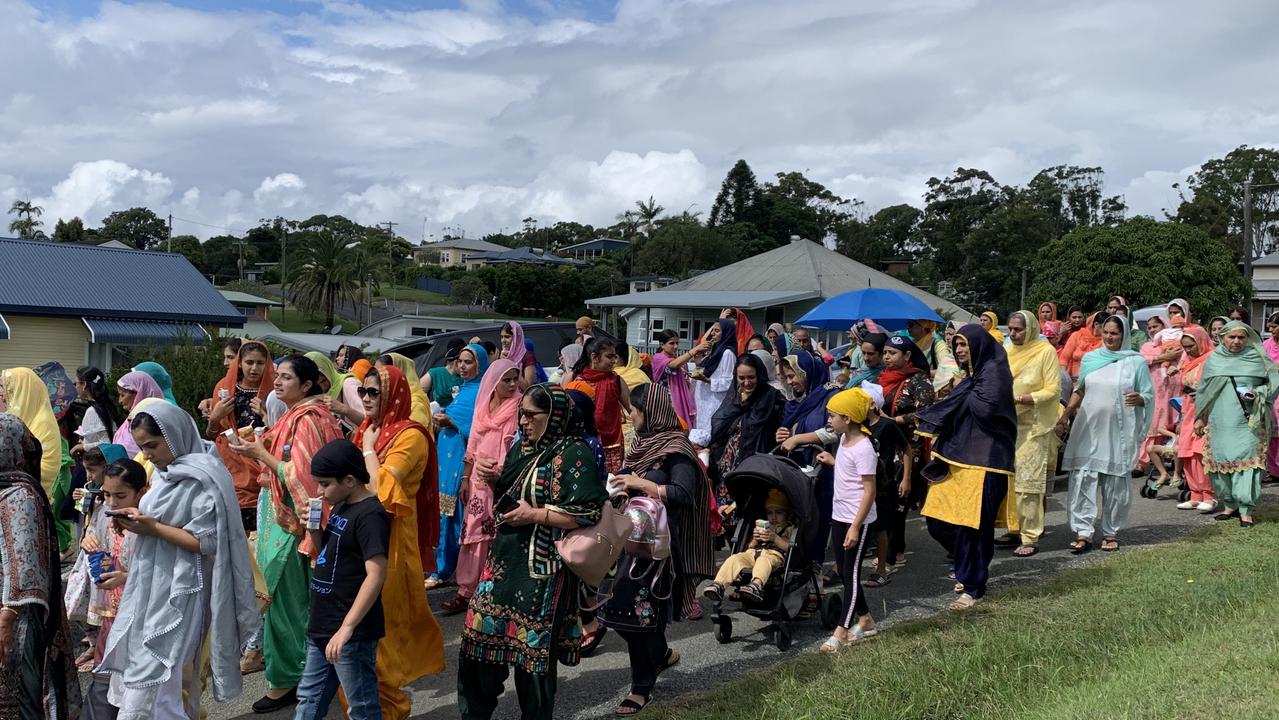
{"type": "Point", "coordinates": [629, 707]}
{"type": "Point", "coordinates": [1026, 551]}
{"type": "Point", "coordinates": [875, 581]}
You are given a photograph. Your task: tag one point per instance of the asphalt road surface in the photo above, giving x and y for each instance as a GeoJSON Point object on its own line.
{"type": "Point", "coordinates": [921, 588]}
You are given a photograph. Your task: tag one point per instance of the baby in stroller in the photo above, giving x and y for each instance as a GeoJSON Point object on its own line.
{"type": "Point", "coordinates": [763, 556]}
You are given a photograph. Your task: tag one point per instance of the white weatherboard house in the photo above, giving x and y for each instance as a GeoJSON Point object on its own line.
{"type": "Point", "coordinates": [777, 286]}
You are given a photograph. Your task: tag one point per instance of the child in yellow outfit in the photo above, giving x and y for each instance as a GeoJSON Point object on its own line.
{"type": "Point", "coordinates": [762, 557]}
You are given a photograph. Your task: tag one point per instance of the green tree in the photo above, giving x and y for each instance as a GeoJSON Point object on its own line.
{"type": "Point", "coordinates": [737, 197]}
{"type": "Point", "coordinates": [679, 247]}
{"type": "Point", "coordinates": [469, 291]}
{"type": "Point", "coordinates": [647, 213]}
{"type": "Point", "coordinates": [953, 207]}
{"type": "Point", "coordinates": [1216, 202]}
{"type": "Point", "coordinates": [328, 273]}
{"type": "Point", "coordinates": [26, 223]}
{"type": "Point", "coordinates": [1000, 249]}
{"type": "Point", "coordinates": [886, 234]}
{"type": "Point", "coordinates": [70, 231]}
{"type": "Point", "coordinates": [1073, 197]}
{"type": "Point", "coordinates": [220, 258]}
{"type": "Point", "coordinates": [137, 226]}
{"type": "Point", "coordinates": [1142, 259]}
{"type": "Point", "coordinates": [188, 246]}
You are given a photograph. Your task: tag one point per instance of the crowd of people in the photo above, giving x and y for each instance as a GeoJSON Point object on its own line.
{"type": "Point", "coordinates": [295, 521]}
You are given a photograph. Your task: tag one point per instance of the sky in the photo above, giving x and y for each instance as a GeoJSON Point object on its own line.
{"type": "Point", "coordinates": [440, 115]}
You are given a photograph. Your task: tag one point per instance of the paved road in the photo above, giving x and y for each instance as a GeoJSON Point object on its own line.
{"type": "Point", "coordinates": [593, 689]}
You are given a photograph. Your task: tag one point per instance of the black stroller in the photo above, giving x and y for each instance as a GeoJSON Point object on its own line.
{"type": "Point", "coordinates": [788, 589]}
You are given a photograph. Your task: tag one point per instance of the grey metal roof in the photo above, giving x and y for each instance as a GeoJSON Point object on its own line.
{"type": "Point", "coordinates": [605, 241]}
{"type": "Point", "coordinates": [716, 299]}
{"type": "Point", "coordinates": [474, 244]}
{"type": "Point", "coordinates": [236, 297]}
{"type": "Point", "coordinates": [521, 255]}
{"type": "Point", "coordinates": [63, 279]}
{"type": "Point", "coordinates": [798, 266]}
{"type": "Point", "coordinates": [143, 332]}
{"type": "Point", "coordinates": [1271, 260]}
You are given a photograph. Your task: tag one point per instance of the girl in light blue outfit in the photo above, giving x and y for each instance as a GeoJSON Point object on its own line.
{"type": "Point", "coordinates": [454, 430]}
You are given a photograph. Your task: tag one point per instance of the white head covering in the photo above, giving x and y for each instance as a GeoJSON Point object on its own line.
{"type": "Point", "coordinates": [876, 393]}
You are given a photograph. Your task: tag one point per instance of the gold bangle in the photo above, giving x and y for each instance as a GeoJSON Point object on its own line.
{"type": "Point", "coordinates": [10, 611]}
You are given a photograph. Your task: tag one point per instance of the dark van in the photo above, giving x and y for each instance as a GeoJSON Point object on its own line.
{"type": "Point", "coordinates": [548, 338]}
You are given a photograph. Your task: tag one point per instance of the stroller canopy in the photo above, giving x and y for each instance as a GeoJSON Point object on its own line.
{"type": "Point", "coordinates": [751, 480]}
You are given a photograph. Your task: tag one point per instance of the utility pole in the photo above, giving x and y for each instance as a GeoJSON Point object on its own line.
{"type": "Point", "coordinates": [1023, 289]}
{"type": "Point", "coordinates": [1247, 236]}
{"type": "Point", "coordinates": [170, 233]}
{"type": "Point", "coordinates": [390, 261]}
{"type": "Point", "coordinates": [284, 270]}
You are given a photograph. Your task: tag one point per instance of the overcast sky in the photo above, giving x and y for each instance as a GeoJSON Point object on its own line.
{"type": "Point", "coordinates": [481, 113]}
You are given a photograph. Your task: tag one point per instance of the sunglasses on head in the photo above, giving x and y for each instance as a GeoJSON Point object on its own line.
{"type": "Point", "coordinates": [368, 392]}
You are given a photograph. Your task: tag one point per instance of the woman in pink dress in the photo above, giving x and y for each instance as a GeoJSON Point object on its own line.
{"type": "Point", "coordinates": [1190, 446]}
{"type": "Point", "coordinates": [1271, 345]}
{"type": "Point", "coordinates": [492, 433]}
{"type": "Point", "coordinates": [1165, 372]}
{"type": "Point", "coordinates": [670, 369]}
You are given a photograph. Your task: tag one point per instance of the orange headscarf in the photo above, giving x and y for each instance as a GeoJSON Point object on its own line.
{"type": "Point", "coordinates": [360, 369]}
{"type": "Point", "coordinates": [244, 471]}
{"type": "Point", "coordinates": [395, 417]}
{"type": "Point", "coordinates": [1081, 342]}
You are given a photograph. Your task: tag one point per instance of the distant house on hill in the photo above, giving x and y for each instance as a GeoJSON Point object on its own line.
{"type": "Point", "coordinates": [256, 311]}
{"type": "Point", "coordinates": [593, 248]}
{"type": "Point", "coordinates": [518, 256]}
{"type": "Point", "coordinates": [77, 304]}
{"type": "Point", "coordinates": [452, 253]}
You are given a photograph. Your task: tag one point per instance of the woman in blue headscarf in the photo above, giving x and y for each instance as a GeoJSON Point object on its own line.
{"type": "Point", "coordinates": [161, 377]}
{"type": "Point", "coordinates": [871, 351]}
{"type": "Point", "coordinates": [804, 421]}
{"type": "Point", "coordinates": [454, 429]}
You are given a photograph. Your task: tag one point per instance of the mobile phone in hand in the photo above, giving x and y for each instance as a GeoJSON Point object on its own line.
{"type": "Point", "coordinates": [506, 504]}
{"type": "Point", "coordinates": [118, 514]}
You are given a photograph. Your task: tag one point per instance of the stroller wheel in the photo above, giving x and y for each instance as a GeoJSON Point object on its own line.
{"type": "Point", "coordinates": [782, 638]}
{"type": "Point", "coordinates": [724, 632]}
{"type": "Point", "coordinates": [1148, 492]}
{"type": "Point", "coordinates": [831, 605]}
{"type": "Point", "coordinates": [1184, 495]}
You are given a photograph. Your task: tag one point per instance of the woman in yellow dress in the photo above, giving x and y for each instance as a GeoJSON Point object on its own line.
{"type": "Point", "coordinates": [400, 456]}
{"type": "Point", "coordinates": [1037, 394]}
{"type": "Point", "coordinates": [24, 394]}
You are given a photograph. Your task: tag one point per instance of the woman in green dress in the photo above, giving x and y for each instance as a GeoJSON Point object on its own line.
{"type": "Point", "coordinates": [1233, 404]}
{"type": "Point", "coordinates": [524, 613]}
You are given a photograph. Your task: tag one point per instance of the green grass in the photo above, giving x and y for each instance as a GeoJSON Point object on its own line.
{"type": "Point", "coordinates": [412, 294]}
{"type": "Point", "coordinates": [296, 321]}
{"type": "Point", "coordinates": [1185, 630]}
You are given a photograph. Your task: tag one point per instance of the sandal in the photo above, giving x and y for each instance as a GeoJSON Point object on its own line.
{"type": "Point", "coordinates": [592, 640]}
{"type": "Point", "coordinates": [754, 591]}
{"type": "Point", "coordinates": [433, 582]}
{"type": "Point", "coordinates": [875, 581]}
{"type": "Point", "coordinates": [831, 646]}
{"type": "Point", "coordinates": [1007, 541]}
{"type": "Point", "coordinates": [455, 605]}
{"type": "Point", "coordinates": [1109, 544]}
{"type": "Point", "coordinates": [858, 634]}
{"type": "Point", "coordinates": [671, 660]}
{"type": "Point", "coordinates": [1226, 516]}
{"type": "Point", "coordinates": [714, 592]}
{"type": "Point", "coordinates": [630, 707]}
{"type": "Point", "coordinates": [1025, 551]}
{"type": "Point", "coordinates": [959, 587]}
{"type": "Point", "coordinates": [963, 602]}
{"type": "Point", "coordinates": [1080, 546]}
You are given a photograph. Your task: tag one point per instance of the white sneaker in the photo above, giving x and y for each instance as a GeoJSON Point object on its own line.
{"type": "Point", "coordinates": [1206, 506]}
{"type": "Point", "coordinates": [1187, 505]}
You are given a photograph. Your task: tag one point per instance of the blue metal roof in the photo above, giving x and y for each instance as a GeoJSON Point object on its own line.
{"type": "Point", "coordinates": [143, 332]}
{"type": "Point", "coordinates": [63, 279]}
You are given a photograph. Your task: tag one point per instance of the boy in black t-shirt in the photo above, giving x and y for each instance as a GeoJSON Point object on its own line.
{"type": "Point", "coordinates": [892, 486]}
{"type": "Point", "coordinates": [346, 587]}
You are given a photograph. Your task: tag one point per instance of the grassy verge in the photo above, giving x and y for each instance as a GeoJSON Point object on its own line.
{"type": "Point", "coordinates": [412, 294]}
{"type": "Point", "coordinates": [296, 321]}
{"type": "Point", "coordinates": [1184, 630]}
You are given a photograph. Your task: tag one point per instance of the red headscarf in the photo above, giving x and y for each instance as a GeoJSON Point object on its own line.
{"type": "Point", "coordinates": [1204, 341]}
{"type": "Point", "coordinates": [244, 471]}
{"type": "Point", "coordinates": [395, 417]}
{"type": "Point", "coordinates": [744, 330]}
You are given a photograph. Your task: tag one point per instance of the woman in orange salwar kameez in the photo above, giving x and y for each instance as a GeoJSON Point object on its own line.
{"type": "Point", "coordinates": [400, 456]}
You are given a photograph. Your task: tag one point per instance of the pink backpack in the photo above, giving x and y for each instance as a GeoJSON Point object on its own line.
{"type": "Point", "coordinates": [650, 537]}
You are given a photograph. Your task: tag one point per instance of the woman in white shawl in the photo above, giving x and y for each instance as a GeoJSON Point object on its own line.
{"type": "Point", "coordinates": [1113, 399]}
{"type": "Point", "coordinates": [190, 564]}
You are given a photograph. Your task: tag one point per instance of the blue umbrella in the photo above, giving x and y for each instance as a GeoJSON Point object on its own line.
{"type": "Point", "coordinates": [891, 309]}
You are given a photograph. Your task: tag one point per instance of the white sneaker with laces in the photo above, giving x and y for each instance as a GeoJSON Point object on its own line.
{"type": "Point", "coordinates": [1187, 505]}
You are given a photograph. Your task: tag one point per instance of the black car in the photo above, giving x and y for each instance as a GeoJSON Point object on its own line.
{"type": "Point", "coordinates": [548, 338]}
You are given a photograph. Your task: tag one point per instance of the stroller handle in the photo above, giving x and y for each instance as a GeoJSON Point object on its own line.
{"type": "Point", "coordinates": [816, 446]}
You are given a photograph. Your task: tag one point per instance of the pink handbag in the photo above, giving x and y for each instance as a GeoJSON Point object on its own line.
{"type": "Point", "coordinates": [591, 552]}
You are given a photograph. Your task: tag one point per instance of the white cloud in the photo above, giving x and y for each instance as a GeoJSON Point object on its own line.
{"type": "Point", "coordinates": [480, 117]}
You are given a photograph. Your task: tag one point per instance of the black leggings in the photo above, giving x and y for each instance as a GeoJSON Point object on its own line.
{"type": "Point", "coordinates": [849, 562]}
{"type": "Point", "coordinates": [647, 650]}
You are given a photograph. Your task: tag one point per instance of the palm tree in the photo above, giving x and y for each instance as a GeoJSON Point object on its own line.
{"type": "Point", "coordinates": [647, 214]}
{"type": "Point", "coordinates": [26, 226]}
{"type": "Point", "coordinates": [329, 273]}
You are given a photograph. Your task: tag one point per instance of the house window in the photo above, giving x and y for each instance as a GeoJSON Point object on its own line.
{"type": "Point", "coordinates": [683, 329]}
{"type": "Point", "coordinates": [445, 257]}
{"type": "Point", "coordinates": [659, 324]}
{"type": "Point", "coordinates": [418, 332]}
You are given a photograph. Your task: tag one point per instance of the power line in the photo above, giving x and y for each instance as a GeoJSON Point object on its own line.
{"type": "Point", "coordinates": [203, 224]}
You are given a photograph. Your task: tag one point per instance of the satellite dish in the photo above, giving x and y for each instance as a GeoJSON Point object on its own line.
{"type": "Point", "coordinates": [337, 330]}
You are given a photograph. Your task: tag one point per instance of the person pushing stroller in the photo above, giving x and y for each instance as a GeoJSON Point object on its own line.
{"type": "Point", "coordinates": [765, 554]}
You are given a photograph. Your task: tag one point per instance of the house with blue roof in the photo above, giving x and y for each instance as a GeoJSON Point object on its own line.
{"type": "Point", "coordinates": [78, 304]}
